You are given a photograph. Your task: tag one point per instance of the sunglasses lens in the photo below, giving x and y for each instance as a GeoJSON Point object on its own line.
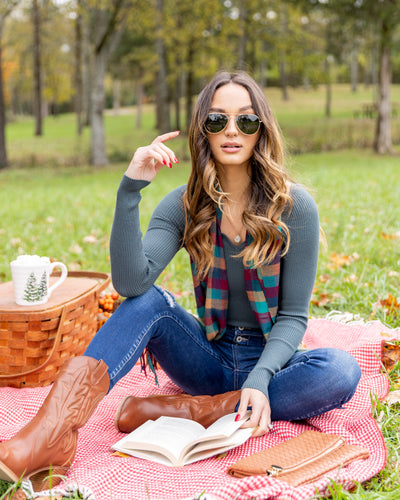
{"type": "Point", "coordinates": [248, 124]}
{"type": "Point", "coordinates": [216, 122]}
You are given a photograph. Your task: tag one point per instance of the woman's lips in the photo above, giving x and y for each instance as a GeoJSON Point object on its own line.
{"type": "Point", "coordinates": [231, 147]}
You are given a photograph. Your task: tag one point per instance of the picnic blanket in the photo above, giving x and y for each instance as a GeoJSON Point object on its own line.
{"type": "Point", "coordinates": [103, 476]}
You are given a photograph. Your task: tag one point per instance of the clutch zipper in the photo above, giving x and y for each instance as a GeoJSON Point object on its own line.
{"type": "Point", "coordinates": [276, 470]}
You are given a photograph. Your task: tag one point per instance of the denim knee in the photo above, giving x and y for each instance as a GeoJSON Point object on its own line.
{"type": "Point", "coordinates": [345, 371]}
{"type": "Point", "coordinates": [154, 301]}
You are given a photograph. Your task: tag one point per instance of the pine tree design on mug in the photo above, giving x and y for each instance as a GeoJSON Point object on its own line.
{"type": "Point", "coordinates": [33, 291]}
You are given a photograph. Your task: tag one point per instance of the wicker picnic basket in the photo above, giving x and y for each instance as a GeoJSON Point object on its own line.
{"type": "Point", "coordinates": [36, 340]}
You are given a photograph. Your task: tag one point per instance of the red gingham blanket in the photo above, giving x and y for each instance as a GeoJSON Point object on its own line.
{"type": "Point", "coordinates": [116, 478]}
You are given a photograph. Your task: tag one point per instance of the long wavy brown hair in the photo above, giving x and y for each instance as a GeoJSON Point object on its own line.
{"type": "Point", "coordinates": [269, 188]}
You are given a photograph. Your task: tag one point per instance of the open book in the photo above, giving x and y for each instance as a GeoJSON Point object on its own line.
{"type": "Point", "coordinates": [180, 441]}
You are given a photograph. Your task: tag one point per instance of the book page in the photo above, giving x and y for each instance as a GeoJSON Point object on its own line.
{"type": "Point", "coordinates": [153, 456]}
{"type": "Point", "coordinates": [203, 450]}
{"type": "Point", "coordinates": [218, 432]}
{"type": "Point", "coordinates": [166, 435]}
{"type": "Point", "coordinates": [225, 426]}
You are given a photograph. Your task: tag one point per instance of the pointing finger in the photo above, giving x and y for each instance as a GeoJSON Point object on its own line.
{"type": "Point", "coordinates": [167, 136]}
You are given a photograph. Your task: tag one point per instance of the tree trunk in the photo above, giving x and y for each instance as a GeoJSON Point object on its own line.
{"type": "Point", "coordinates": [282, 65]}
{"type": "Point", "coordinates": [354, 70]}
{"type": "Point", "coordinates": [383, 136]}
{"type": "Point", "coordinates": [86, 76]}
{"type": "Point", "coordinates": [78, 71]}
{"type": "Point", "coordinates": [241, 64]}
{"type": "Point", "coordinates": [283, 78]}
{"type": "Point", "coordinates": [162, 99]}
{"type": "Point", "coordinates": [3, 150]}
{"type": "Point", "coordinates": [139, 102]}
{"type": "Point", "coordinates": [189, 84]}
{"type": "Point", "coordinates": [98, 149]}
{"type": "Point", "coordinates": [177, 102]}
{"type": "Point", "coordinates": [263, 65]}
{"type": "Point", "coordinates": [328, 101]}
{"type": "Point", "coordinates": [37, 69]}
{"type": "Point", "coordinates": [178, 89]}
{"type": "Point", "coordinates": [116, 96]}
{"type": "Point", "coordinates": [375, 73]}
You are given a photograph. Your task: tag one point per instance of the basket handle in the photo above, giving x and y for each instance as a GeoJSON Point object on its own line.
{"type": "Point", "coordinates": [47, 361]}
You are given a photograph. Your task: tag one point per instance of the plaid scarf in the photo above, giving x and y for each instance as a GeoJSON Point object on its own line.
{"type": "Point", "coordinates": [262, 287]}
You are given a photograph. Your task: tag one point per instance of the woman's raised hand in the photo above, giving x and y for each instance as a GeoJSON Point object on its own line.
{"type": "Point", "coordinates": [149, 160]}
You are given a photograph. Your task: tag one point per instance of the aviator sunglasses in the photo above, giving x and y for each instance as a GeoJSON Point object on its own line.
{"type": "Point", "coordinates": [248, 124]}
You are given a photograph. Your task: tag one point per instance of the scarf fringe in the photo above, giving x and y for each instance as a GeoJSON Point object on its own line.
{"type": "Point", "coordinates": [147, 360]}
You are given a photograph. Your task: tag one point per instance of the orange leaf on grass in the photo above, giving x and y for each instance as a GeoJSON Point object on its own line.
{"type": "Point", "coordinates": [339, 260]}
{"type": "Point", "coordinates": [390, 303]}
{"type": "Point", "coordinates": [321, 300]}
{"type": "Point", "coordinates": [392, 236]}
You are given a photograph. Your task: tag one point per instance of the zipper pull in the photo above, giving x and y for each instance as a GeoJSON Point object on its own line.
{"type": "Point", "coordinates": [274, 470]}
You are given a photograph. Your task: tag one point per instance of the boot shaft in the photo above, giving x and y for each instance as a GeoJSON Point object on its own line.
{"type": "Point", "coordinates": [134, 411]}
{"type": "Point", "coordinates": [49, 439]}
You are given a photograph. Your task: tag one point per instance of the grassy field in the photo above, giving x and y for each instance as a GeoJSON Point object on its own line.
{"type": "Point", "coordinates": [52, 208]}
{"type": "Point", "coordinates": [52, 212]}
{"type": "Point", "coordinates": [302, 120]}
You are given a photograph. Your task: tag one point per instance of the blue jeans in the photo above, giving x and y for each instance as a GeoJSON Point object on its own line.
{"type": "Point", "coordinates": [311, 383]}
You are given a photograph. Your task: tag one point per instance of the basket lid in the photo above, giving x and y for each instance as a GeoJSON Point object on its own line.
{"type": "Point", "coordinates": [72, 288]}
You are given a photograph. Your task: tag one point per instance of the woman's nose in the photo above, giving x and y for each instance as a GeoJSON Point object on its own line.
{"type": "Point", "coordinates": [231, 128]}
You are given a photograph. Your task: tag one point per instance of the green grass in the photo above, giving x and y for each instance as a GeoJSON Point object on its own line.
{"type": "Point", "coordinates": [50, 208]}
{"type": "Point", "coordinates": [50, 211]}
{"type": "Point", "coordinates": [302, 120]}
{"type": "Point", "coordinates": [357, 194]}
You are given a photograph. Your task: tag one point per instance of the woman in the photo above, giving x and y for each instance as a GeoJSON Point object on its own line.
{"type": "Point", "coordinates": [252, 237]}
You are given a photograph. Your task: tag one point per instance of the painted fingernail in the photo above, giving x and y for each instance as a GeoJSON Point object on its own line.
{"type": "Point", "coordinates": [170, 165]}
{"type": "Point", "coordinates": [237, 417]}
{"type": "Point", "coordinates": [164, 162]}
{"type": "Point", "coordinates": [176, 160]}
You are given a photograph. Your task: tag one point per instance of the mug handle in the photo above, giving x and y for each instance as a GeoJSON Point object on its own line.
{"type": "Point", "coordinates": [64, 273]}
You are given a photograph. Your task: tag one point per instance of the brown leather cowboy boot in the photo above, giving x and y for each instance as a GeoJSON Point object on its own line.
{"type": "Point", "coordinates": [134, 411]}
{"type": "Point", "coordinates": [48, 442]}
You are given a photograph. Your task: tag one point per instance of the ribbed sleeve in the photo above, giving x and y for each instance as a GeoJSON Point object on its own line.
{"type": "Point", "coordinates": [136, 263]}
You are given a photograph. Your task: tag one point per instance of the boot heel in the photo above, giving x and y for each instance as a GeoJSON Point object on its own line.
{"type": "Point", "coordinates": [47, 478]}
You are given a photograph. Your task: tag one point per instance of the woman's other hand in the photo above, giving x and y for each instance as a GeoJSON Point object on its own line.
{"type": "Point", "coordinates": [149, 160]}
{"type": "Point", "coordinates": [260, 417]}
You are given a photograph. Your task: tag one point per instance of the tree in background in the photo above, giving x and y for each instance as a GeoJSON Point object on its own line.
{"type": "Point", "coordinates": [165, 50]}
{"type": "Point", "coordinates": [135, 61]}
{"type": "Point", "coordinates": [162, 90]}
{"type": "Point", "coordinates": [37, 67]}
{"type": "Point", "coordinates": [106, 20]}
{"type": "Point", "coordinates": [56, 35]}
{"type": "Point", "coordinates": [79, 89]}
{"type": "Point", "coordinates": [193, 41]}
{"type": "Point", "coordinates": [6, 8]}
{"type": "Point", "coordinates": [384, 15]}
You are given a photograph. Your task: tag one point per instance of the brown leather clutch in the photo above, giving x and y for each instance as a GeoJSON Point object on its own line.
{"type": "Point", "coordinates": [300, 460]}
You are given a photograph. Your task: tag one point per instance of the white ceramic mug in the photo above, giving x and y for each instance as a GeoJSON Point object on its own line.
{"type": "Point", "coordinates": [31, 275]}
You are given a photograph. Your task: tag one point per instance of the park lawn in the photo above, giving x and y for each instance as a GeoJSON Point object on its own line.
{"type": "Point", "coordinates": [51, 206]}
{"type": "Point", "coordinates": [52, 211]}
{"type": "Point", "coordinates": [302, 119]}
